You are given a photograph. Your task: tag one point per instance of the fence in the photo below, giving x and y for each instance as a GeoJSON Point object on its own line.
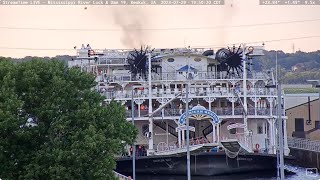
{"type": "Point", "coordinates": [121, 176]}
{"type": "Point", "coordinates": [304, 144]}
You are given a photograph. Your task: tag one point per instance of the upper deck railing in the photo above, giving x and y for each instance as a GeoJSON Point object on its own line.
{"type": "Point", "coordinates": [194, 92]}
{"type": "Point", "coordinates": [174, 76]}
{"type": "Point", "coordinates": [219, 111]}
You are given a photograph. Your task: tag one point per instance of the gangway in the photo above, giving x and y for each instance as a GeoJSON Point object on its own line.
{"type": "Point", "coordinates": [234, 146]}
{"type": "Point", "coordinates": [121, 176]}
{"type": "Point", "coordinates": [194, 149]}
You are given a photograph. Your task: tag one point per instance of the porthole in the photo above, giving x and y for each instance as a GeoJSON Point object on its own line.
{"type": "Point", "coordinates": [170, 60]}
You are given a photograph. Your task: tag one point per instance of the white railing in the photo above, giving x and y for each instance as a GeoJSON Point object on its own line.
{"type": "Point", "coordinates": [164, 76]}
{"type": "Point", "coordinates": [194, 92]}
{"type": "Point", "coordinates": [121, 176]}
{"type": "Point", "coordinates": [174, 111]}
{"type": "Point", "coordinates": [163, 147]}
{"type": "Point", "coordinates": [304, 144]}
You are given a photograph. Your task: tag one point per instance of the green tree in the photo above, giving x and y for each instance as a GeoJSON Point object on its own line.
{"type": "Point", "coordinates": [75, 137]}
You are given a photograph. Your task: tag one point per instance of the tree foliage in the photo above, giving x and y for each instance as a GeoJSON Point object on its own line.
{"type": "Point", "coordinates": [308, 61]}
{"type": "Point", "coordinates": [75, 137]}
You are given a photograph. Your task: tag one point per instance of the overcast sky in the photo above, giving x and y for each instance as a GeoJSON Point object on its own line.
{"type": "Point", "coordinates": [164, 27]}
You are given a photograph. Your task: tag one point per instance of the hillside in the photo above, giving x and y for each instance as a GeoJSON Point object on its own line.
{"type": "Point", "coordinates": [295, 67]}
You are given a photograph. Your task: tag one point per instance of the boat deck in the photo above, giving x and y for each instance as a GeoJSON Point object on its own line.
{"type": "Point", "coordinates": [194, 149]}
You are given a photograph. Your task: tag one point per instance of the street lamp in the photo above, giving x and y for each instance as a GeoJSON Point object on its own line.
{"type": "Point", "coordinates": [280, 152]}
{"type": "Point", "coordinates": [317, 86]}
{"type": "Point", "coordinates": [189, 78]}
{"type": "Point", "coordinates": [134, 146]}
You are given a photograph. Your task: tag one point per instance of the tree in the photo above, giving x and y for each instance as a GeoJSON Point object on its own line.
{"type": "Point", "coordinates": [75, 137]}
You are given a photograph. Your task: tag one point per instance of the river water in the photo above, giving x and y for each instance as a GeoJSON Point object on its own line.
{"type": "Point", "coordinates": [292, 173]}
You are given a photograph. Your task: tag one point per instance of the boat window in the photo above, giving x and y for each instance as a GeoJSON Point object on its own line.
{"type": "Point", "coordinates": [259, 128]}
{"type": "Point", "coordinates": [170, 60]}
{"type": "Point", "coordinates": [233, 131]}
{"type": "Point", "coordinates": [317, 124]}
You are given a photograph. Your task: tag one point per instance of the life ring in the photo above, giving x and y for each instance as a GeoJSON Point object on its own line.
{"type": "Point", "coordinates": [91, 52]}
{"type": "Point", "coordinates": [257, 146]}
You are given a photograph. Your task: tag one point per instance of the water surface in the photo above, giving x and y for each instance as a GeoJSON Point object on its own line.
{"type": "Point", "coordinates": [292, 173]}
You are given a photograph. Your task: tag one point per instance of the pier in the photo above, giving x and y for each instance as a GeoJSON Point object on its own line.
{"type": "Point", "coordinates": [306, 152]}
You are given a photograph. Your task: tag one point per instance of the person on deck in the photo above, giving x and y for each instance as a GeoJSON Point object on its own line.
{"type": "Point", "coordinates": [140, 150]}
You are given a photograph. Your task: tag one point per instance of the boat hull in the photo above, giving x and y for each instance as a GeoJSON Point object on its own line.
{"type": "Point", "coordinates": [202, 164]}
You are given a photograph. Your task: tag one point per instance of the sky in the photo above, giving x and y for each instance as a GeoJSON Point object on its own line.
{"type": "Point", "coordinates": [162, 27]}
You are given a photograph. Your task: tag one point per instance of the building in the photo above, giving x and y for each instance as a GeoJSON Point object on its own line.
{"type": "Point", "coordinates": [298, 67]}
{"type": "Point", "coordinates": [303, 120]}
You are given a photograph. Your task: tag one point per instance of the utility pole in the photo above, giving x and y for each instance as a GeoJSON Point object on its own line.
{"type": "Point", "coordinates": [244, 84]}
{"type": "Point", "coordinates": [150, 149]}
{"type": "Point", "coordinates": [276, 67]}
{"type": "Point", "coordinates": [187, 121]}
{"type": "Point", "coordinates": [280, 123]}
{"type": "Point", "coordinates": [188, 134]}
{"type": "Point", "coordinates": [134, 146]}
{"type": "Point", "coordinates": [280, 131]}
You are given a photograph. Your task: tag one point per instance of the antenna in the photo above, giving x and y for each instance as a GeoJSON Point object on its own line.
{"type": "Point", "coordinates": [293, 48]}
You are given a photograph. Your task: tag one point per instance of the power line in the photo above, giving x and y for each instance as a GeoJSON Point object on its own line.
{"type": "Point", "coordinates": [262, 41]}
{"type": "Point", "coordinates": [160, 29]}
{"type": "Point", "coordinates": [36, 49]}
{"type": "Point", "coordinates": [205, 46]}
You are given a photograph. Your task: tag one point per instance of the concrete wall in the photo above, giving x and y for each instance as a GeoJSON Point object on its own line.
{"type": "Point", "coordinates": [306, 158]}
{"type": "Point", "coordinates": [302, 112]}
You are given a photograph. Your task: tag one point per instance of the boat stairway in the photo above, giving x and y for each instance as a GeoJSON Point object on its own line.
{"type": "Point", "coordinates": [234, 146]}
